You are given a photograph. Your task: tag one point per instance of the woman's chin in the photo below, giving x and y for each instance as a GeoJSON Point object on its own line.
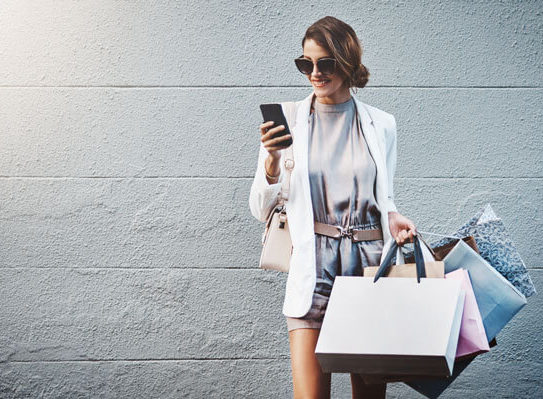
{"type": "Point", "coordinates": [321, 91]}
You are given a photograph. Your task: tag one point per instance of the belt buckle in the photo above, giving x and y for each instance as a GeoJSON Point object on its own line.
{"type": "Point", "coordinates": [346, 232]}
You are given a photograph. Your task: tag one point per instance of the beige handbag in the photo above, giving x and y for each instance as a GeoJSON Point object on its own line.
{"type": "Point", "coordinates": [277, 245]}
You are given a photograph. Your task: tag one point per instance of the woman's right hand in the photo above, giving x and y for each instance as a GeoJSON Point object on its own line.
{"type": "Point", "coordinates": [273, 146]}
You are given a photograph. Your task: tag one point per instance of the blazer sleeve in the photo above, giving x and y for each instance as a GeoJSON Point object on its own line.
{"type": "Point", "coordinates": [264, 196]}
{"type": "Point", "coordinates": [391, 156]}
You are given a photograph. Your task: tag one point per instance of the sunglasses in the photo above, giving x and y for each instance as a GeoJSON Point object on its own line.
{"type": "Point", "coordinates": [326, 66]}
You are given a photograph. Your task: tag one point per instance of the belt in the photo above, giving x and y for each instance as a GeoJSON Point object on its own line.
{"type": "Point", "coordinates": [334, 231]}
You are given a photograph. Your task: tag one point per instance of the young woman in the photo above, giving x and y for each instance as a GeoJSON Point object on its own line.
{"type": "Point", "coordinates": [345, 157]}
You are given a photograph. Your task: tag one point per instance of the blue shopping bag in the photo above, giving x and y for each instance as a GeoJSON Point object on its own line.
{"type": "Point", "coordinates": [497, 298]}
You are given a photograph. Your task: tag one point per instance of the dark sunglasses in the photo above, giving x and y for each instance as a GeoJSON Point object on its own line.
{"type": "Point", "coordinates": [326, 66]}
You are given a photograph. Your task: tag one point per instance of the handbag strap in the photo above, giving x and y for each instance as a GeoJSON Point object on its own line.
{"type": "Point", "coordinates": [290, 107]}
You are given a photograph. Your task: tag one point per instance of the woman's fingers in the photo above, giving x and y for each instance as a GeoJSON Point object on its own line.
{"type": "Point", "coordinates": [271, 132]}
{"type": "Point", "coordinates": [272, 145]}
{"type": "Point", "coordinates": [276, 143]}
{"type": "Point", "coordinates": [407, 228]}
{"type": "Point", "coordinates": [277, 140]}
{"type": "Point", "coordinates": [406, 236]}
{"type": "Point", "coordinates": [403, 237]}
{"type": "Point", "coordinates": [413, 228]}
{"type": "Point", "coordinates": [265, 126]}
{"type": "Point", "coordinates": [400, 237]}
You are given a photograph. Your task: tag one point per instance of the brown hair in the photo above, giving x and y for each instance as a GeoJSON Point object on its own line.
{"type": "Point", "coordinates": [340, 40]}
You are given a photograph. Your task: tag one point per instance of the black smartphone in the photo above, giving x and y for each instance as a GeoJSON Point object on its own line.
{"type": "Point", "coordinates": [274, 112]}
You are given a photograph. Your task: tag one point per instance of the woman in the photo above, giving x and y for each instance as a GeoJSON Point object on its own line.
{"type": "Point", "coordinates": [345, 151]}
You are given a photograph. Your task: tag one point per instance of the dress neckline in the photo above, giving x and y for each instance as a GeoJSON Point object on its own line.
{"type": "Point", "coordinates": [332, 108]}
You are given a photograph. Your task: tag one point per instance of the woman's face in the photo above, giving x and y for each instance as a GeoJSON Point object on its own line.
{"type": "Point", "coordinates": [329, 89]}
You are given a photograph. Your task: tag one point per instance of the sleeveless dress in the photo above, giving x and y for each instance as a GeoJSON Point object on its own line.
{"type": "Point", "coordinates": [342, 176]}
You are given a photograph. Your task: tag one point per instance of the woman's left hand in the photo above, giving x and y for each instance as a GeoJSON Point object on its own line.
{"type": "Point", "coordinates": [401, 228]}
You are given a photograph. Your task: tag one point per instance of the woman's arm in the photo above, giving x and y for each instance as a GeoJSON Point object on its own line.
{"type": "Point", "coordinates": [263, 195]}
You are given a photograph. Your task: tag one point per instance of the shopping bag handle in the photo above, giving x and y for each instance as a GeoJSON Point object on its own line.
{"type": "Point", "coordinates": [400, 259]}
{"type": "Point", "coordinates": [419, 259]}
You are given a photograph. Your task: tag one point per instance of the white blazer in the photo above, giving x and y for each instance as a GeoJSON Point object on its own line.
{"type": "Point", "coordinates": [379, 129]}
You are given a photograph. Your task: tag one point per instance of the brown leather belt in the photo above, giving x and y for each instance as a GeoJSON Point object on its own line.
{"type": "Point", "coordinates": [334, 231]}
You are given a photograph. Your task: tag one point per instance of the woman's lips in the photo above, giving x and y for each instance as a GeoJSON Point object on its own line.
{"type": "Point", "coordinates": [320, 83]}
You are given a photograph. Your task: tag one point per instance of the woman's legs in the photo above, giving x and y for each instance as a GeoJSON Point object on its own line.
{"type": "Point", "coordinates": [308, 379]}
{"type": "Point", "coordinates": [362, 390]}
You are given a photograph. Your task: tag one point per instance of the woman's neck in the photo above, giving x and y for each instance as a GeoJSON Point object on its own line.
{"type": "Point", "coordinates": [312, 108]}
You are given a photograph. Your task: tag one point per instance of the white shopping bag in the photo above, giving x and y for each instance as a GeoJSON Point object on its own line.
{"type": "Point", "coordinates": [393, 326]}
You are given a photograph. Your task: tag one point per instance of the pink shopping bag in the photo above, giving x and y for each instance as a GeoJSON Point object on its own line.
{"type": "Point", "coordinates": [472, 340]}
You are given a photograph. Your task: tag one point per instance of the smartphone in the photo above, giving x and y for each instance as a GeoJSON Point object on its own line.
{"type": "Point", "coordinates": [274, 112]}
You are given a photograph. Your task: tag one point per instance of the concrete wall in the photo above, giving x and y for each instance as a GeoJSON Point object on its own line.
{"type": "Point", "coordinates": [128, 142]}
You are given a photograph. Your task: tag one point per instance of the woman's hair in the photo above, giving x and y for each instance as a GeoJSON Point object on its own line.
{"type": "Point", "coordinates": [340, 40]}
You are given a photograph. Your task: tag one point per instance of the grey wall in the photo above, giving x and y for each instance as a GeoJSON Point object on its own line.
{"type": "Point", "coordinates": [128, 142]}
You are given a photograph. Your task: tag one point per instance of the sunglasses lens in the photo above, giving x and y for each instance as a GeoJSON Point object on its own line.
{"type": "Point", "coordinates": [304, 66]}
{"type": "Point", "coordinates": [326, 66]}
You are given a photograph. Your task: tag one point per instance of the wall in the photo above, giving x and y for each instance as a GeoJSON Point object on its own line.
{"type": "Point", "coordinates": [128, 142]}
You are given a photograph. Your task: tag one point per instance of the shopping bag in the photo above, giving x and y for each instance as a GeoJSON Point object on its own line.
{"type": "Point", "coordinates": [433, 268]}
{"type": "Point", "coordinates": [472, 340]}
{"type": "Point", "coordinates": [391, 326]}
{"type": "Point", "coordinates": [489, 301]}
{"type": "Point", "coordinates": [496, 247]}
{"type": "Point", "coordinates": [432, 388]}
{"type": "Point", "coordinates": [497, 298]}
{"type": "Point", "coordinates": [440, 251]}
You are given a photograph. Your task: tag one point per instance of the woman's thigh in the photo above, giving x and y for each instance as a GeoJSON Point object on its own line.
{"type": "Point", "coordinates": [308, 379]}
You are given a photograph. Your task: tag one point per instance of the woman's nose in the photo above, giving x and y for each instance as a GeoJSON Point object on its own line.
{"type": "Point", "coordinates": [316, 73]}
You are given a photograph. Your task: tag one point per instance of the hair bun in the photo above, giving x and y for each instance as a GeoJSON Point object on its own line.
{"type": "Point", "coordinates": [361, 76]}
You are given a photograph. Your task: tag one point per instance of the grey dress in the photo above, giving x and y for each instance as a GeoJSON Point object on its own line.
{"type": "Point", "coordinates": [342, 176]}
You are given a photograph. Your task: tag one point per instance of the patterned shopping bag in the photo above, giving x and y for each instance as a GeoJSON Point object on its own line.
{"type": "Point", "coordinates": [496, 247]}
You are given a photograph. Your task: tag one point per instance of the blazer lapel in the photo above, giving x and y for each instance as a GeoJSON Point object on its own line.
{"type": "Point", "coordinates": [300, 193]}
{"type": "Point", "coordinates": [378, 155]}
{"type": "Point", "coordinates": [368, 128]}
